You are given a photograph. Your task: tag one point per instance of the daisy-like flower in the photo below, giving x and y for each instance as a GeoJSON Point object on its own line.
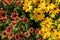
{"type": "Point", "coordinates": [4, 19]}
{"type": "Point", "coordinates": [57, 1]}
{"type": "Point", "coordinates": [10, 36]}
{"type": "Point", "coordinates": [26, 1]}
{"type": "Point", "coordinates": [35, 2]}
{"type": "Point", "coordinates": [47, 7]}
{"type": "Point", "coordinates": [41, 1]}
{"type": "Point", "coordinates": [14, 15]}
{"type": "Point", "coordinates": [38, 14]}
{"type": "Point", "coordinates": [58, 35]}
{"type": "Point", "coordinates": [45, 32]}
{"type": "Point", "coordinates": [25, 20]}
{"type": "Point", "coordinates": [47, 22]}
{"type": "Point", "coordinates": [8, 2]}
{"type": "Point", "coordinates": [37, 31]}
{"type": "Point", "coordinates": [19, 36]}
{"type": "Point", "coordinates": [8, 30]}
{"type": "Point", "coordinates": [3, 16]}
{"type": "Point", "coordinates": [27, 34]}
{"type": "Point", "coordinates": [54, 9]}
{"type": "Point", "coordinates": [41, 5]}
{"type": "Point", "coordinates": [58, 21]}
{"type": "Point", "coordinates": [54, 32]}
{"type": "Point", "coordinates": [3, 35]}
{"type": "Point", "coordinates": [17, 19]}
{"type": "Point", "coordinates": [13, 23]}
{"type": "Point", "coordinates": [19, 2]}
{"type": "Point", "coordinates": [31, 29]}
{"type": "Point", "coordinates": [27, 6]}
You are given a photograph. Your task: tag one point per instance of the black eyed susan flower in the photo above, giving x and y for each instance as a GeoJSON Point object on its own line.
{"type": "Point", "coordinates": [38, 14]}
{"type": "Point", "coordinates": [54, 9]}
{"type": "Point", "coordinates": [27, 6]}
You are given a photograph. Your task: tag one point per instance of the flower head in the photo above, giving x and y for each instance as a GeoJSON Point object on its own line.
{"type": "Point", "coordinates": [27, 34]}
{"type": "Point", "coordinates": [8, 2]}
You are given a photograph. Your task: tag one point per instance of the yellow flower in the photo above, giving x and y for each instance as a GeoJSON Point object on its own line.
{"type": "Point", "coordinates": [57, 1]}
{"type": "Point", "coordinates": [41, 1]}
{"type": "Point", "coordinates": [54, 9]}
{"type": "Point", "coordinates": [26, 1]}
{"type": "Point", "coordinates": [58, 34]}
{"type": "Point", "coordinates": [45, 32]}
{"type": "Point", "coordinates": [47, 7]}
{"type": "Point", "coordinates": [27, 6]}
{"type": "Point", "coordinates": [58, 21]}
{"type": "Point", "coordinates": [35, 2]}
{"type": "Point", "coordinates": [47, 22]}
{"type": "Point", "coordinates": [41, 5]}
{"type": "Point", "coordinates": [58, 26]}
{"type": "Point", "coordinates": [38, 14]}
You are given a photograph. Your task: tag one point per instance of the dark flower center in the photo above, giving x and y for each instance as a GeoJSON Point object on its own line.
{"type": "Point", "coordinates": [4, 33]}
{"type": "Point", "coordinates": [1, 20]}
{"type": "Point", "coordinates": [3, 14]}
{"type": "Point", "coordinates": [38, 13]}
{"type": "Point", "coordinates": [38, 1]}
{"type": "Point", "coordinates": [17, 36]}
{"type": "Point", "coordinates": [20, 35]}
{"type": "Point", "coordinates": [14, 15]}
{"type": "Point", "coordinates": [46, 5]}
{"type": "Point", "coordinates": [57, 35]}
{"type": "Point", "coordinates": [25, 19]}
{"type": "Point", "coordinates": [54, 8]}
{"type": "Point", "coordinates": [8, 30]}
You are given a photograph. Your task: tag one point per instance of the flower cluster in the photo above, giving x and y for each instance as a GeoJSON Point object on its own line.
{"type": "Point", "coordinates": [29, 19]}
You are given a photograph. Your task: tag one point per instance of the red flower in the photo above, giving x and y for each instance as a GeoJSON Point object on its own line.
{"type": "Point", "coordinates": [10, 36]}
{"type": "Point", "coordinates": [3, 16]}
{"type": "Point", "coordinates": [13, 24]}
{"type": "Point", "coordinates": [3, 35]}
{"type": "Point", "coordinates": [14, 15]}
{"type": "Point", "coordinates": [27, 34]}
{"type": "Point", "coordinates": [2, 13]}
{"type": "Point", "coordinates": [25, 20]}
{"type": "Point", "coordinates": [8, 2]}
{"type": "Point", "coordinates": [21, 35]}
{"type": "Point", "coordinates": [37, 31]}
{"type": "Point", "coordinates": [19, 3]}
{"type": "Point", "coordinates": [31, 29]}
{"type": "Point", "coordinates": [1, 19]}
{"type": "Point", "coordinates": [18, 36]}
{"type": "Point", "coordinates": [8, 30]}
{"type": "Point", "coordinates": [17, 19]}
